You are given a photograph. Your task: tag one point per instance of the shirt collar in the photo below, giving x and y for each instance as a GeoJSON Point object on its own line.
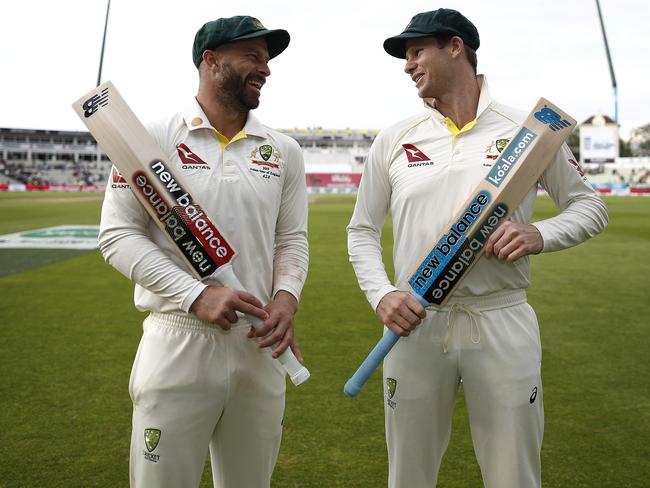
{"type": "Point", "coordinates": [195, 118]}
{"type": "Point", "coordinates": [484, 100]}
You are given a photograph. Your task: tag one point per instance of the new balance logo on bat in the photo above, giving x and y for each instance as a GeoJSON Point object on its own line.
{"type": "Point", "coordinates": [552, 119]}
{"type": "Point", "coordinates": [444, 279]}
{"type": "Point", "coordinates": [91, 105]}
{"type": "Point", "coordinates": [185, 222]}
{"type": "Point", "coordinates": [447, 248]}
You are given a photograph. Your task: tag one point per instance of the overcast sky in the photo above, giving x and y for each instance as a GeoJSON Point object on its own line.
{"type": "Point", "coordinates": [335, 73]}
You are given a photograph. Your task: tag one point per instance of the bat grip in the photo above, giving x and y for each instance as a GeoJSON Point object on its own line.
{"type": "Point", "coordinates": [376, 356]}
{"type": "Point", "coordinates": [296, 371]}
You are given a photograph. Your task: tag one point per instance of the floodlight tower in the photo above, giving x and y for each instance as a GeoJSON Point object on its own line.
{"type": "Point", "coordinates": [609, 61]}
{"type": "Point", "coordinates": [101, 56]}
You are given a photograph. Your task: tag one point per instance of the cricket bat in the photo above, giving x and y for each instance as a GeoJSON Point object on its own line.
{"type": "Point", "coordinates": [521, 163]}
{"type": "Point", "coordinates": [165, 196]}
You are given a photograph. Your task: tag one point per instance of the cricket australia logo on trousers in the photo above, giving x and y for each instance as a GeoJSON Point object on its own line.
{"type": "Point", "coordinates": [391, 387]}
{"type": "Point", "coordinates": [151, 440]}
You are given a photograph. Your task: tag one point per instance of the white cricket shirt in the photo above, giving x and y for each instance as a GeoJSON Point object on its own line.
{"type": "Point", "coordinates": [422, 173]}
{"type": "Point", "coordinates": [253, 188]}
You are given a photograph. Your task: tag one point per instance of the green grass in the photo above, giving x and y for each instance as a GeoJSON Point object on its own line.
{"type": "Point", "coordinates": [69, 333]}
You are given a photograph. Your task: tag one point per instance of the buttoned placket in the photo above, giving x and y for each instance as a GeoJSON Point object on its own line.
{"type": "Point", "coordinates": [457, 144]}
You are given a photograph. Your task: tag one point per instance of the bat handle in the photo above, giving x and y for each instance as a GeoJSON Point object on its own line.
{"type": "Point", "coordinates": [296, 371]}
{"type": "Point", "coordinates": [376, 356]}
{"type": "Point", "coordinates": [294, 368]}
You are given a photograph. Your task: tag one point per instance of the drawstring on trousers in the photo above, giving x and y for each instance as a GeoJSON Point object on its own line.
{"type": "Point", "coordinates": [474, 317]}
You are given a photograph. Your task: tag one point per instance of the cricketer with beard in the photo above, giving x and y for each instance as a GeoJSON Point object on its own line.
{"type": "Point", "coordinates": [200, 381]}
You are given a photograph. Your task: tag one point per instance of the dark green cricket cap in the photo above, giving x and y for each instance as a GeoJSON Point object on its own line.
{"type": "Point", "coordinates": [240, 28]}
{"type": "Point", "coordinates": [441, 22]}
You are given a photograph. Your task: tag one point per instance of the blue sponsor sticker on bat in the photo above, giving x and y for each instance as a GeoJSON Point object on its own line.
{"type": "Point", "coordinates": [447, 247]}
{"type": "Point", "coordinates": [448, 276]}
{"type": "Point", "coordinates": [510, 156]}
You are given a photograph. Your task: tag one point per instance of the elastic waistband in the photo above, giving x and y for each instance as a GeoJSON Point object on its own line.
{"type": "Point", "coordinates": [188, 322]}
{"type": "Point", "coordinates": [493, 301]}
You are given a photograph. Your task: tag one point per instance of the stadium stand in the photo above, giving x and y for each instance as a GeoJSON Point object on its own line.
{"type": "Point", "coordinates": [334, 158]}
{"type": "Point", "coordinates": [51, 158]}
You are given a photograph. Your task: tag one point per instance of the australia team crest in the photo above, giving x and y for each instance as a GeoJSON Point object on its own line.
{"type": "Point", "coordinates": [493, 150]}
{"type": "Point", "coordinates": [266, 162]}
{"type": "Point", "coordinates": [151, 440]}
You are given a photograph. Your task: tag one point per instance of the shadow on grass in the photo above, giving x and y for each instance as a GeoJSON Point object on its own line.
{"type": "Point", "coordinates": [18, 260]}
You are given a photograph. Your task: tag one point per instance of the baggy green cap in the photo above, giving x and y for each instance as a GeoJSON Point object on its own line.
{"type": "Point", "coordinates": [240, 28]}
{"type": "Point", "coordinates": [441, 22]}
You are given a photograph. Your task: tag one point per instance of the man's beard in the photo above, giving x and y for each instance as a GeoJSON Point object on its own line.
{"type": "Point", "coordinates": [231, 91]}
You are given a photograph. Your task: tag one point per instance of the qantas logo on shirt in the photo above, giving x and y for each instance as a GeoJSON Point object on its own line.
{"type": "Point", "coordinates": [117, 180]}
{"type": "Point", "coordinates": [117, 176]}
{"type": "Point", "coordinates": [414, 154]}
{"type": "Point", "coordinates": [416, 158]}
{"type": "Point", "coordinates": [190, 159]}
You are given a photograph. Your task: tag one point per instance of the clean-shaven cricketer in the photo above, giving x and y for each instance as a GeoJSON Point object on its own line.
{"type": "Point", "coordinates": [421, 170]}
{"type": "Point", "coordinates": [199, 382]}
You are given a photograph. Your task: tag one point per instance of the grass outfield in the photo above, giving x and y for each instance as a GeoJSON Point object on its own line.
{"type": "Point", "coordinates": [69, 333]}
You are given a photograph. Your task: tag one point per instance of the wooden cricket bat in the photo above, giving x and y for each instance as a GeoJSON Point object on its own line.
{"type": "Point", "coordinates": [165, 196]}
{"type": "Point", "coordinates": [520, 165]}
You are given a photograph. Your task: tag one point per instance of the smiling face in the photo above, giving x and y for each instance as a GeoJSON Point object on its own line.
{"type": "Point", "coordinates": [242, 71]}
{"type": "Point", "coordinates": [429, 66]}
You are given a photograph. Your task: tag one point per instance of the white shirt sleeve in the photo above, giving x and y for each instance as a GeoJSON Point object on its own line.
{"type": "Point", "coordinates": [291, 251]}
{"type": "Point", "coordinates": [583, 214]}
{"type": "Point", "coordinates": [364, 230]}
{"type": "Point", "coordinates": [125, 242]}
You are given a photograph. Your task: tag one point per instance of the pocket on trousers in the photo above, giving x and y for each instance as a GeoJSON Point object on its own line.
{"type": "Point", "coordinates": [149, 375]}
{"type": "Point", "coordinates": [134, 372]}
{"type": "Point", "coordinates": [532, 328]}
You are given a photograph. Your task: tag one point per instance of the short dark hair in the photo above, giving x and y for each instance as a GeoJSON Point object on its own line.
{"type": "Point", "coordinates": [470, 54]}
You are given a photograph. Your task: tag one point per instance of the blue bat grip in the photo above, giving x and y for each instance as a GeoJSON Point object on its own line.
{"type": "Point", "coordinates": [376, 356]}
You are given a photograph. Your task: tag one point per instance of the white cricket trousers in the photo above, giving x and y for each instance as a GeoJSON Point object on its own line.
{"type": "Point", "coordinates": [492, 345]}
{"type": "Point", "coordinates": [196, 387]}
